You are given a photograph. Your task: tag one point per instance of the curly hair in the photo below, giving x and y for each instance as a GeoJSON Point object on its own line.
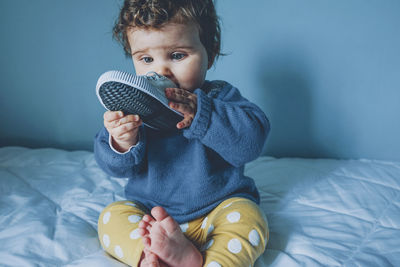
{"type": "Point", "coordinates": [156, 13]}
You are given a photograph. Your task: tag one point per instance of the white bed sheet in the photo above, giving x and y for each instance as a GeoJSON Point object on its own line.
{"type": "Point", "coordinates": [321, 212]}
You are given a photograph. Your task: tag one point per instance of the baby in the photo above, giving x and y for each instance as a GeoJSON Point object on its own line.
{"type": "Point", "coordinates": [189, 203]}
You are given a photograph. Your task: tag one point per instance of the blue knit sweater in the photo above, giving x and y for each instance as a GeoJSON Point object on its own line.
{"type": "Point", "coordinates": [190, 171]}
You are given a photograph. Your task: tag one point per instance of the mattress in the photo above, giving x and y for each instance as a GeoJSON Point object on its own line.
{"type": "Point", "coordinates": [321, 212]}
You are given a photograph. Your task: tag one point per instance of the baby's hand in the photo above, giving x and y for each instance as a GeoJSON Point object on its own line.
{"type": "Point", "coordinates": [123, 129]}
{"type": "Point", "coordinates": [183, 101]}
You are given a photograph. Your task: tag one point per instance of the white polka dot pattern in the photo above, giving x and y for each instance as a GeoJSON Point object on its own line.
{"type": "Point", "coordinates": [233, 217]}
{"type": "Point", "coordinates": [213, 264]}
{"type": "Point", "coordinates": [184, 227]}
{"type": "Point", "coordinates": [119, 252]}
{"type": "Point", "coordinates": [134, 234]}
{"type": "Point", "coordinates": [134, 218]}
{"type": "Point", "coordinates": [254, 237]}
{"type": "Point", "coordinates": [106, 217]}
{"type": "Point", "coordinates": [106, 240]}
{"type": "Point", "coordinates": [203, 225]}
{"type": "Point", "coordinates": [210, 229]}
{"type": "Point", "coordinates": [227, 205]}
{"type": "Point", "coordinates": [208, 244]}
{"type": "Point", "coordinates": [234, 246]}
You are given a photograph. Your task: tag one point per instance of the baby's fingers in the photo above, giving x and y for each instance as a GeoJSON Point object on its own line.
{"type": "Point", "coordinates": [125, 131]}
{"type": "Point", "coordinates": [120, 121]}
{"type": "Point", "coordinates": [180, 95]}
{"type": "Point", "coordinates": [186, 122]}
{"type": "Point", "coordinates": [189, 109]}
{"type": "Point", "coordinates": [112, 115]}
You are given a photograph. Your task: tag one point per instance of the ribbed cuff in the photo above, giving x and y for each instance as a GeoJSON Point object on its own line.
{"type": "Point", "coordinates": [201, 121]}
{"type": "Point", "coordinates": [116, 151]}
{"type": "Point", "coordinates": [139, 149]}
{"type": "Point", "coordinates": [136, 150]}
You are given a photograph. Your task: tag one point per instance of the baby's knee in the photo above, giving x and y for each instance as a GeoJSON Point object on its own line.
{"type": "Point", "coordinates": [239, 234]}
{"type": "Point", "coordinates": [118, 230]}
{"type": "Point", "coordinates": [105, 214]}
{"type": "Point", "coordinates": [120, 213]}
{"type": "Point", "coordinates": [243, 216]}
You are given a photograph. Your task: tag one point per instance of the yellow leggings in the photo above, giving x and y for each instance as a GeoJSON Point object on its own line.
{"type": "Point", "coordinates": [235, 233]}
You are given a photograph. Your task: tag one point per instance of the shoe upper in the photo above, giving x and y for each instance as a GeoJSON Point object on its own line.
{"type": "Point", "coordinates": [159, 81]}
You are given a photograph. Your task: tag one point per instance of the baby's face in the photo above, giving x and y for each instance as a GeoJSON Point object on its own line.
{"type": "Point", "coordinates": [174, 51]}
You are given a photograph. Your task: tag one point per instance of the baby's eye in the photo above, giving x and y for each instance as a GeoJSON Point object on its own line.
{"type": "Point", "coordinates": [147, 59]}
{"type": "Point", "coordinates": [177, 56]}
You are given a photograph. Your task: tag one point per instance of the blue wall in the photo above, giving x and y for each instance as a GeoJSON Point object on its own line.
{"type": "Point", "coordinates": [327, 73]}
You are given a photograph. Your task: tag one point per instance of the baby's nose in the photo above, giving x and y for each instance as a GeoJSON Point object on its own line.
{"type": "Point", "coordinates": [165, 71]}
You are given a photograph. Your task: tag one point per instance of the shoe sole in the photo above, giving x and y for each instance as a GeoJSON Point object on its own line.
{"type": "Point", "coordinates": [132, 94]}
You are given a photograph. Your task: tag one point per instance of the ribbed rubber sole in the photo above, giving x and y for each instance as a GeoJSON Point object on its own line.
{"type": "Point", "coordinates": [117, 95]}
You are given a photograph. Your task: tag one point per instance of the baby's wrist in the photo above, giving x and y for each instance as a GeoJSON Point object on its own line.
{"type": "Point", "coordinates": [122, 146]}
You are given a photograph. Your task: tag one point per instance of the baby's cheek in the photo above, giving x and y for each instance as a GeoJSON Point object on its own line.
{"type": "Point", "coordinates": [192, 84]}
{"type": "Point", "coordinates": [192, 79]}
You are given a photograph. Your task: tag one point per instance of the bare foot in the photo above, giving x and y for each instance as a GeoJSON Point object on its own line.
{"type": "Point", "coordinates": [149, 259]}
{"type": "Point", "coordinates": [144, 228]}
{"type": "Point", "coordinates": [163, 237]}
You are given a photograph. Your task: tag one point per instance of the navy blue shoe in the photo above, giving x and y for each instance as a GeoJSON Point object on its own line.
{"type": "Point", "coordinates": [143, 95]}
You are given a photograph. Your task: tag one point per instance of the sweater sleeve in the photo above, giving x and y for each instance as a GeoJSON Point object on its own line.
{"type": "Point", "coordinates": [229, 124]}
{"type": "Point", "coordinates": [118, 164]}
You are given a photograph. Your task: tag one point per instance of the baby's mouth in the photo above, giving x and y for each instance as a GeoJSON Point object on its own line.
{"type": "Point", "coordinates": [177, 85]}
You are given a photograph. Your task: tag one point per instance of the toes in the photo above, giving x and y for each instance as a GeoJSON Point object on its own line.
{"type": "Point", "coordinates": [151, 259]}
{"type": "Point", "coordinates": [146, 242]}
{"type": "Point", "coordinates": [142, 261]}
{"type": "Point", "coordinates": [170, 225]}
{"type": "Point", "coordinates": [148, 219]}
{"type": "Point", "coordinates": [143, 232]}
{"type": "Point", "coordinates": [145, 225]}
{"type": "Point", "coordinates": [159, 213]}
{"type": "Point", "coordinates": [166, 221]}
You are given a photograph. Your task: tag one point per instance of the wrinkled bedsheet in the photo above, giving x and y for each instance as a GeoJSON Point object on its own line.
{"type": "Point", "coordinates": [321, 212]}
